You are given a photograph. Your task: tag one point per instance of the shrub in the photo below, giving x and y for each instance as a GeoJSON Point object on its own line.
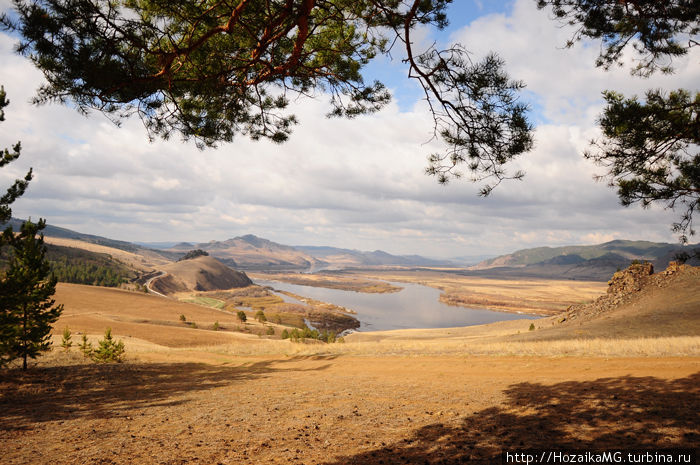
{"type": "Point", "coordinates": [85, 347]}
{"type": "Point", "coordinates": [216, 326]}
{"type": "Point", "coordinates": [260, 316]}
{"type": "Point", "coordinates": [532, 327]}
{"type": "Point", "coordinates": [183, 319]}
{"type": "Point", "coordinates": [242, 316]}
{"type": "Point", "coordinates": [270, 331]}
{"type": "Point", "coordinates": [109, 350]}
{"type": "Point", "coordinates": [285, 334]}
{"type": "Point", "coordinates": [66, 341]}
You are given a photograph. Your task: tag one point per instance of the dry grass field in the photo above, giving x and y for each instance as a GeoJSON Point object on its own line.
{"type": "Point", "coordinates": [443, 396]}
{"type": "Point", "coordinates": [142, 261]}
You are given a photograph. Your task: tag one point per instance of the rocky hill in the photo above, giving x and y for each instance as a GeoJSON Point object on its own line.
{"type": "Point", "coordinates": [203, 273]}
{"type": "Point", "coordinates": [638, 303]}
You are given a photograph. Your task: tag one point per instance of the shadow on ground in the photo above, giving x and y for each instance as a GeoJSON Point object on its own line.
{"type": "Point", "coordinates": [613, 413]}
{"type": "Point", "coordinates": [104, 391]}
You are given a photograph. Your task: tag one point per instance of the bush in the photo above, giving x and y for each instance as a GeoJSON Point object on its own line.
{"type": "Point", "coordinates": [242, 316]}
{"type": "Point", "coordinates": [66, 341]}
{"type": "Point", "coordinates": [216, 326]}
{"type": "Point", "coordinates": [260, 316]}
{"type": "Point", "coordinates": [85, 347]}
{"type": "Point", "coordinates": [183, 319]}
{"type": "Point", "coordinates": [270, 331]}
{"type": "Point", "coordinates": [109, 350]}
{"type": "Point", "coordinates": [532, 327]}
{"type": "Point", "coordinates": [285, 334]}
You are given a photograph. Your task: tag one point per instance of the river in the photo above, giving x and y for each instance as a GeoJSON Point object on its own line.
{"type": "Point", "coordinates": [415, 306]}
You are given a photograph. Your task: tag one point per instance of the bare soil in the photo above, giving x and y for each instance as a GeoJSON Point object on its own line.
{"type": "Point", "coordinates": [344, 410]}
{"type": "Point", "coordinates": [188, 396]}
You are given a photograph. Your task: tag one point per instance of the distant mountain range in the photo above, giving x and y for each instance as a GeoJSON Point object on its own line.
{"type": "Point", "coordinates": [345, 258]}
{"type": "Point", "coordinates": [596, 262]}
{"type": "Point", "coordinates": [253, 253]}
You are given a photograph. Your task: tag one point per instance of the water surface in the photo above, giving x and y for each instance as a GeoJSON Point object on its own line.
{"type": "Point", "coordinates": [415, 306]}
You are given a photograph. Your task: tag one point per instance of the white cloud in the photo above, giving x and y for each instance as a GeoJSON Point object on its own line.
{"type": "Point", "coordinates": [349, 183]}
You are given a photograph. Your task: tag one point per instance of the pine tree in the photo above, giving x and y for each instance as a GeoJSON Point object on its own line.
{"type": "Point", "coordinates": [109, 350]}
{"type": "Point", "coordinates": [8, 156]}
{"type": "Point", "coordinates": [25, 296]}
{"type": "Point", "coordinates": [67, 339]}
{"type": "Point", "coordinates": [85, 346]}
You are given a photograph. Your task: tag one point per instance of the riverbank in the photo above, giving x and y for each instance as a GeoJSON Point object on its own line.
{"type": "Point", "coordinates": [534, 296]}
{"type": "Point", "coordinates": [330, 281]}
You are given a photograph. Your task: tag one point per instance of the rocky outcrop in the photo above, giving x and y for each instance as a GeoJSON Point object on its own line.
{"type": "Point", "coordinates": [625, 286]}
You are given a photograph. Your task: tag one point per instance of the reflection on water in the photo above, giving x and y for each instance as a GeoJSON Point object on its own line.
{"type": "Point", "coordinates": [415, 306]}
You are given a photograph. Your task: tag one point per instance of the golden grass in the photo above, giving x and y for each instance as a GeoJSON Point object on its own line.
{"type": "Point", "coordinates": [143, 261]}
{"type": "Point", "coordinates": [251, 345]}
{"type": "Point", "coordinates": [205, 301]}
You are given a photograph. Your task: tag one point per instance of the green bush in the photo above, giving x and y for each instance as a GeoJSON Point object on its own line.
{"type": "Point", "coordinates": [66, 341]}
{"type": "Point", "coordinates": [532, 326]}
{"type": "Point", "coordinates": [260, 316]}
{"type": "Point", "coordinates": [285, 334]}
{"type": "Point", "coordinates": [108, 349]}
{"type": "Point", "coordinates": [242, 316]}
{"type": "Point", "coordinates": [85, 347]}
{"type": "Point", "coordinates": [216, 326]}
{"type": "Point", "coordinates": [182, 318]}
{"type": "Point", "coordinates": [270, 331]}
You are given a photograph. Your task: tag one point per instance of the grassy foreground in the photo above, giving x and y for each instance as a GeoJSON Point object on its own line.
{"type": "Point", "coordinates": [628, 379]}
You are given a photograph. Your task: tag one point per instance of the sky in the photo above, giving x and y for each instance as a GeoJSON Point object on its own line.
{"type": "Point", "coordinates": [357, 183]}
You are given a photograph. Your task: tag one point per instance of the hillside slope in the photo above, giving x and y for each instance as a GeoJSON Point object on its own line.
{"type": "Point", "coordinates": [588, 262]}
{"type": "Point", "coordinates": [254, 253]}
{"type": "Point", "coordinates": [203, 273]}
{"type": "Point", "coordinates": [638, 304]}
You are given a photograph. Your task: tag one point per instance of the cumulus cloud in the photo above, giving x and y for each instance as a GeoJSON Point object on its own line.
{"type": "Point", "coordinates": [348, 183]}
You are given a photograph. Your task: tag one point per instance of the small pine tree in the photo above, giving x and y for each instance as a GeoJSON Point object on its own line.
{"type": "Point", "coordinates": [85, 347]}
{"type": "Point", "coordinates": [27, 309]}
{"type": "Point", "coordinates": [242, 316]}
{"type": "Point", "coordinates": [66, 341]}
{"type": "Point", "coordinates": [532, 327]}
{"type": "Point", "coordinates": [108, 349]}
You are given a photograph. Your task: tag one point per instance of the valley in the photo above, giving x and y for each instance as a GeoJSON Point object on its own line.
{"type": "Point", "coordinates": [589, 363]}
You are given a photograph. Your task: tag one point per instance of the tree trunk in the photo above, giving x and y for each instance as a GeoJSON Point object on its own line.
{"type": "Point", "coordinates": [24, 337]}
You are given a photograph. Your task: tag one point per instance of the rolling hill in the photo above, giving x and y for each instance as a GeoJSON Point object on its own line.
{"type": "Point", "coordinates": [596, 262]}
{"type": "Point", "coordinates": [203, 273]}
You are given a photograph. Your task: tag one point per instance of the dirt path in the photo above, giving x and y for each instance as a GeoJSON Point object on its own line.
{"type": "Point", "coordinates": [344, 410]}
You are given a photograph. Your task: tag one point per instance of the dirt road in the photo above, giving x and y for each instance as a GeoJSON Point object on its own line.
{"type": "Point", "coordinates": [344, 410]}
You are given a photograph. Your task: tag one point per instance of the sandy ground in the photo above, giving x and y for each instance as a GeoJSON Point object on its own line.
{"type": "Point", "coordinates": [344, 410]}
